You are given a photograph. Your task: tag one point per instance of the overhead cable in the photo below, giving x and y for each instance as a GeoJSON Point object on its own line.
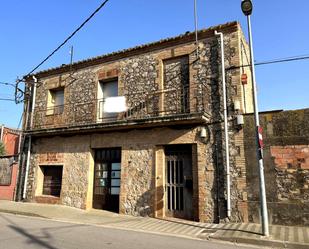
{"type": "Point", "coordinates": [274, 61]}
{"type": "Point", "coordinates": [5, 99]}
{"type": "Point", "coordinates": [67, 39]}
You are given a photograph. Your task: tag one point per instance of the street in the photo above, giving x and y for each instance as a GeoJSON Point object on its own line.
{"type": "Point", "coordinates": [18, 232]}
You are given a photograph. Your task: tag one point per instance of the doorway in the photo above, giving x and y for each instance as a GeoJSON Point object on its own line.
{"type": "Point", "coordinates": [178, 182]}
{"type": "Point", "coordinates": [107, 171]}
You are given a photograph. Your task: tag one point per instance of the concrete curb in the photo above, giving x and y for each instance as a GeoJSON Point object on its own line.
{"type": "Point", "coordinates": [260, 242]}
{"type": "Point", "coordinates": [208, 236]}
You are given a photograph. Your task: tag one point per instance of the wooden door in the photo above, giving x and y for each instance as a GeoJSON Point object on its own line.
{"type": "Point", "coordinates": [178, 182]}
{"type": "Point", "coordinates": [107, 179]}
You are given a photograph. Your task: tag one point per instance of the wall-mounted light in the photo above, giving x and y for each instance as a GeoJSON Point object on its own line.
{"type": "Point", "coordinates": [203, 132]}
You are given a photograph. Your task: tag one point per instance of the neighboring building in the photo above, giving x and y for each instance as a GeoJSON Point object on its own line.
{"type": "Point", "coordinates": [163, 156]}
{"type": "Point", "coordinates": [8, 162]}
{"type": "Point", "coordinates": [286, 160]}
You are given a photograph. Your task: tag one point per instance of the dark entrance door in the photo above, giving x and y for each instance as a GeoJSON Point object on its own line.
{"type": "Point", "coordinates": [52, 180]}
{"type": "Point", "coordinates": [107, 179]}
{"type": "Point", "coordinates": [178, 181]}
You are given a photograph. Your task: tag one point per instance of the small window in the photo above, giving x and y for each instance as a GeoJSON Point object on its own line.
{"type": "Point", "coordinates": [56, 101]}
{"type": "Point", "coordinates": [52, 180]}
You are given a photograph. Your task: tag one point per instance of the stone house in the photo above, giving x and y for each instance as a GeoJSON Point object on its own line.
{"type": "Point", "coordinates": [161, 157]}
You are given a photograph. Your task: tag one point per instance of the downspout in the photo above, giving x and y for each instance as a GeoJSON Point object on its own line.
{"type": "Point", "coordinates": [21, 155]}
{"type": "Point", "coordinates": [227, 156]}
{"type": "Point", "coordinates": [2, 130]}
{"type": "Point", "coordinates": [29, 141]}
{"type": "Point", "coordinates": [18, 167]}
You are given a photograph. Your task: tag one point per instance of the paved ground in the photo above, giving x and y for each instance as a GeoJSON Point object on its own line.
{"type": "Point", "coordinates": [19, 232]}
{"type": "Point", "coordinates": [281, 236]}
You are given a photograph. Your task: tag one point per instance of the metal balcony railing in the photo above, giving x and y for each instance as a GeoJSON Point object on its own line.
{"type": "Point", "coordinates": [169, 102]}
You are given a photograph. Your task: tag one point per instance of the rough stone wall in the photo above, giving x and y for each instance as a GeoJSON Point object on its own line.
{"type": "Point", "coordinates": [140, 77]}
{"type": "Point", "coordinates": [138, 173]}
{"type": "Point", "coordinates": [79, 98]}
{"type": "Point", "coordinates": [209, 91]}
{"type": "Point", "coordinates": [139, 187]}
{"type": "Point", "coordinates": [73, 155]}
{"type": "Point", "coordinates": [286, 162]}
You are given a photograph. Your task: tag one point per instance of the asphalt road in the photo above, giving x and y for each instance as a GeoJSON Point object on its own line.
{"type": "Point", "coordinates": [19, 232]}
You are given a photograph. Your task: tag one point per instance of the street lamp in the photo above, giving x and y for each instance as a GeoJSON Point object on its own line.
{"type": "Point", "coordinates": [246, 7]}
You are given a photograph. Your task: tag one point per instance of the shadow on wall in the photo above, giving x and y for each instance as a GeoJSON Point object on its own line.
{"type": "Point", "coordinates": [218, 196]}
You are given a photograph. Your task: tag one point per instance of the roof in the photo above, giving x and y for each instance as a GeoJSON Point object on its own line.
{"type": "Point", "coordinates": [164, 43]}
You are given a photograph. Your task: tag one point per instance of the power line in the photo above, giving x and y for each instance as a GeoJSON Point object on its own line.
{"type": "Point", "coordinates": [274, 61]}
{"type": "Point", "coordinates": [67, 39]}
{"type": "Point", "coordinates": [5, 99]}
{"type": "Point", "coordinates": [20, 120]}
{"type": "Point", "coordinates": [294, 58]}
{"type": "Point", "coordinates": [7, 84]}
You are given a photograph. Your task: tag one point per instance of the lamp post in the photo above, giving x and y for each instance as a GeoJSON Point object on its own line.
{"type": "Point", "coordinates": [246, 7]}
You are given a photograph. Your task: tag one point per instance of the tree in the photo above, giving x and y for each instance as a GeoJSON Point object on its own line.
{"type": "Point", "coordinates": [2, 149]}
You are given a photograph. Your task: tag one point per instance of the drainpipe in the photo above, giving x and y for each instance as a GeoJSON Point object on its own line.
{"type": "Point", "coordinates": [227, 156]}
{"type": "Point", "coordinates": [29, 141]}
{"type": "Point", "coordinates": [2, 130]}
{"type": "Point", "coordinates": [18, 167]}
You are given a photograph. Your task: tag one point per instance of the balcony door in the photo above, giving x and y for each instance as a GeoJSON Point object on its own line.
{"type": "Point", "coordinates": [176, 85]}
{"type": "Point", "coordinates": [109, 89]}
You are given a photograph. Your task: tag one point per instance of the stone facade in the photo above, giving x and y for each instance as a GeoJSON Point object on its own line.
{"type": "Point", "coordinates": [286, 160]}
{"type": "Point", "coordinates": [161, 80]}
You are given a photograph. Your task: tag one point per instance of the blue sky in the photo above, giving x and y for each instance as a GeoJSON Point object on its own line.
{"type": "Point", "coordinates": [31, 29]}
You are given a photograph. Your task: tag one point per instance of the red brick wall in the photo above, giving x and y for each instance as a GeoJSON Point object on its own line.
{"type": "Point", "coordinates": [291, 156]}
{"type": "Point", "coordinates": [7, 192]}
{"type": "Point", "coordinates": [286, 166]}
{"type": "Point", "coordinates": [11, 141]}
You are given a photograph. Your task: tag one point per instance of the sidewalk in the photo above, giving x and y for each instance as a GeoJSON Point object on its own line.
{"type": "Point", "coordinates": [281, 236]}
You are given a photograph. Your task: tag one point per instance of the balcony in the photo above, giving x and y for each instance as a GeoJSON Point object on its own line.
{"type": "Point", "coordinates": [159, 106]}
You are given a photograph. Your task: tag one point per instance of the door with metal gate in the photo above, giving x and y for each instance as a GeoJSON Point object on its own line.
{"type": "Point", "coordinates": [178, 182]}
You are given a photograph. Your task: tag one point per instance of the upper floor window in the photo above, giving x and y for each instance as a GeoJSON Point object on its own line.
{"type": "Point", "coordinates": [55, 101]}
{"type": "Point", "coordinates": [107, 90]}
{"type": "Point", "coordinates": [176, 84]}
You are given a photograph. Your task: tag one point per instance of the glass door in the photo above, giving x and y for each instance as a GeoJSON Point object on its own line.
{"type": "Point", "coordinates": [107, 174]}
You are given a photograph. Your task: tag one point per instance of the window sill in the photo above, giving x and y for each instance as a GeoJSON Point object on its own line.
{"type": "Point", "coordinates": [48, 199]}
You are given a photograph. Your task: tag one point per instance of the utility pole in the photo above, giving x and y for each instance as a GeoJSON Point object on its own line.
{"type": "Point", "coordinates": [196, 28]}
{"type": "Point", "coordinates": [247, 6]}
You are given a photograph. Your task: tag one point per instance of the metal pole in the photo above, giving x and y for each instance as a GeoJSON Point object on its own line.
{"type": "Point", "coordinates": [30, 139]}
{"type": "Point", "coordinates": [259, 149]}
{"type": "Point", "coordinates": [196, 27]}
{"type": "Point", "coordinates": [71, 59]}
